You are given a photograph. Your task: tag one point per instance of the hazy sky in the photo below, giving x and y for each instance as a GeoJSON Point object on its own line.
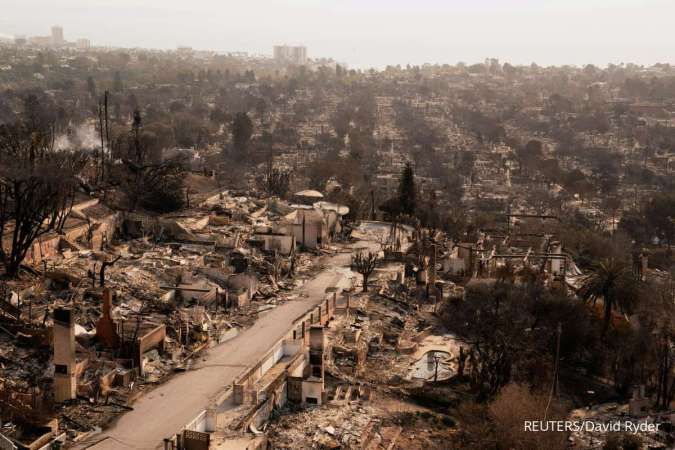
{"type": "Point", "coordinates": [365, 33]}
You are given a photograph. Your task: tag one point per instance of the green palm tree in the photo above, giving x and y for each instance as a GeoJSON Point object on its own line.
{"type": "Point", "coordinates": [614, 283]}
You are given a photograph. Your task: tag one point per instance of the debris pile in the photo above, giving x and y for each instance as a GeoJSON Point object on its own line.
{"type": "Point", "coordinates": [122, 301]}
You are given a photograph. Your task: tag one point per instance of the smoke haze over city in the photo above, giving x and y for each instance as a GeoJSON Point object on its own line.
{"type": "Point", "coordinates": [373, 33]}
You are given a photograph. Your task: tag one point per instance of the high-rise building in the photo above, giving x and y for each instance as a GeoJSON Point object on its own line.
{"type": "Point", "coordinates": [57, 36]}
{"type": "Point", "coordinates": [83, 44]}
{"type": "Point", "coordinates": [299, 55]}
{"type": "Point", "coordinates": [279, 53]}
{"type": "Point", "coordinates": [41, 41]}
{"type": "Point", "coordinates": [286, 54]}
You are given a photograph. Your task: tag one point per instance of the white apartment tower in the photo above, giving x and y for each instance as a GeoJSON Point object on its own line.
{"type": "Point", "coordinates": [286, 54]}
{"type": "Point", "coordinates": [57, 36]}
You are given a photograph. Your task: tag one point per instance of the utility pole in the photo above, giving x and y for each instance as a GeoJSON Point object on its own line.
{"type": "Point", "coordinates": [557, 360]}
{"type": "Point", "coordinates": [432, 276]}
{"type": "Point", "coordinates": [107, 135]}
{"type": "Point", "coordinates": [101, 133]}
{"type": "Point", "coordinates": [372, 204]}
{"type": "Point", "coordinates": [433, 270]}
{"type": "Point", "coordinates": [564, 277]}
{"type": "Point", "coordinates": [303, 231]}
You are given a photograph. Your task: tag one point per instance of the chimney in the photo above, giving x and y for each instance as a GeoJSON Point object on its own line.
{"type": "Point", "coordinates": [106, 332]}
{"type": "Point", "coordinates": [556, 264]}
{"type": "Point", "coordinates": [317, 340]}
{"type": "Point", "coordinates": [65, 383]}
{"type": "Point", "coordinates": [107, 303]}
{"type": "Point", "coordinates": [317, 344]}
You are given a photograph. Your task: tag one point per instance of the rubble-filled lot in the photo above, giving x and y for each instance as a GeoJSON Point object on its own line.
{"type": "Point", "coordinates": [381, 423]}
{"type": "Point", "coordinates": [146, 295]}
{"type": "Point", "coordinates": [372, 400]}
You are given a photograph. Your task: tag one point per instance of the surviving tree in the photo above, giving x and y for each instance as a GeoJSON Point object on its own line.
{"type": "Point", "coordinates": [242, 130]}
{"type": "Point", "coordinates": [406, 190]}
{"type": "Point", "coordinates": [660, 214]}
{"type": "Point", "coordinates": [152, 183]}
{"type": "Point", "coordinates": [118, 86]}
{"type": "Point", "coordinates": [613, 282]}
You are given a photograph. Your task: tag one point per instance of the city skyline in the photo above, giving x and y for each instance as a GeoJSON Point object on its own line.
{"type": "Point", "coordinates": [371, 34]}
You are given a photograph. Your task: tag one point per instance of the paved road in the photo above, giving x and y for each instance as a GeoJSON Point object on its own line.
{"type": "Point", "coordinates": [165, 410]}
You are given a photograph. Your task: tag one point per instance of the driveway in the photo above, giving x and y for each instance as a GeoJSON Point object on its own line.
{"type": "Point", "coordinates": [167, 409]}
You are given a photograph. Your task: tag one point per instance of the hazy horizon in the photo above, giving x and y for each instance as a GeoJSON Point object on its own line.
{"type": "Point", "coordinates": [372, 33]}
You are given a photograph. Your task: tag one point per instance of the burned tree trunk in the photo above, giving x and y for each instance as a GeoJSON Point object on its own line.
{"type": "Point", "coordinates": [104, 266]}
{"type": "Point", "coordinates": [365, 263]}
{"type": "Point", "coordinates": [37, 186]}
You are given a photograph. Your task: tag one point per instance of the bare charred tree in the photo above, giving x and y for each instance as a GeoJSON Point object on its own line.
{"type": "Point", "coordinates": [89, 236]}
{"type": "Point", "coordinates": [104, 266]}
{"type": "Point", "coordinates": [275, 181]}
{"type": "Point", "coordinates": [140, 150]}
{"type": "Point", "coordinates": [37, 187]}
{"type": "Point", "coordinates": [293, 260]}
{"type": "Point", "coordinates": [104, 133]}
{"type": "Point", "coordinates": [665, 385]}
{"type": "Point", "coordinates": [274, 263]}
{"type": "Point", "coordinates": [365, 263]}
{"type": "Point", "coordinates": [107, 125]}
{"type": "Point", "coordinates": [101, 168]}
{"type": "Point", "coordinates": [91, 274]}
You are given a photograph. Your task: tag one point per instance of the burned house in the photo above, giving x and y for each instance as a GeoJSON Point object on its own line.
{"type": "Point", "coordinates": [309, 227]}
{"type": "Point", "coordinates": [281, 242]}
